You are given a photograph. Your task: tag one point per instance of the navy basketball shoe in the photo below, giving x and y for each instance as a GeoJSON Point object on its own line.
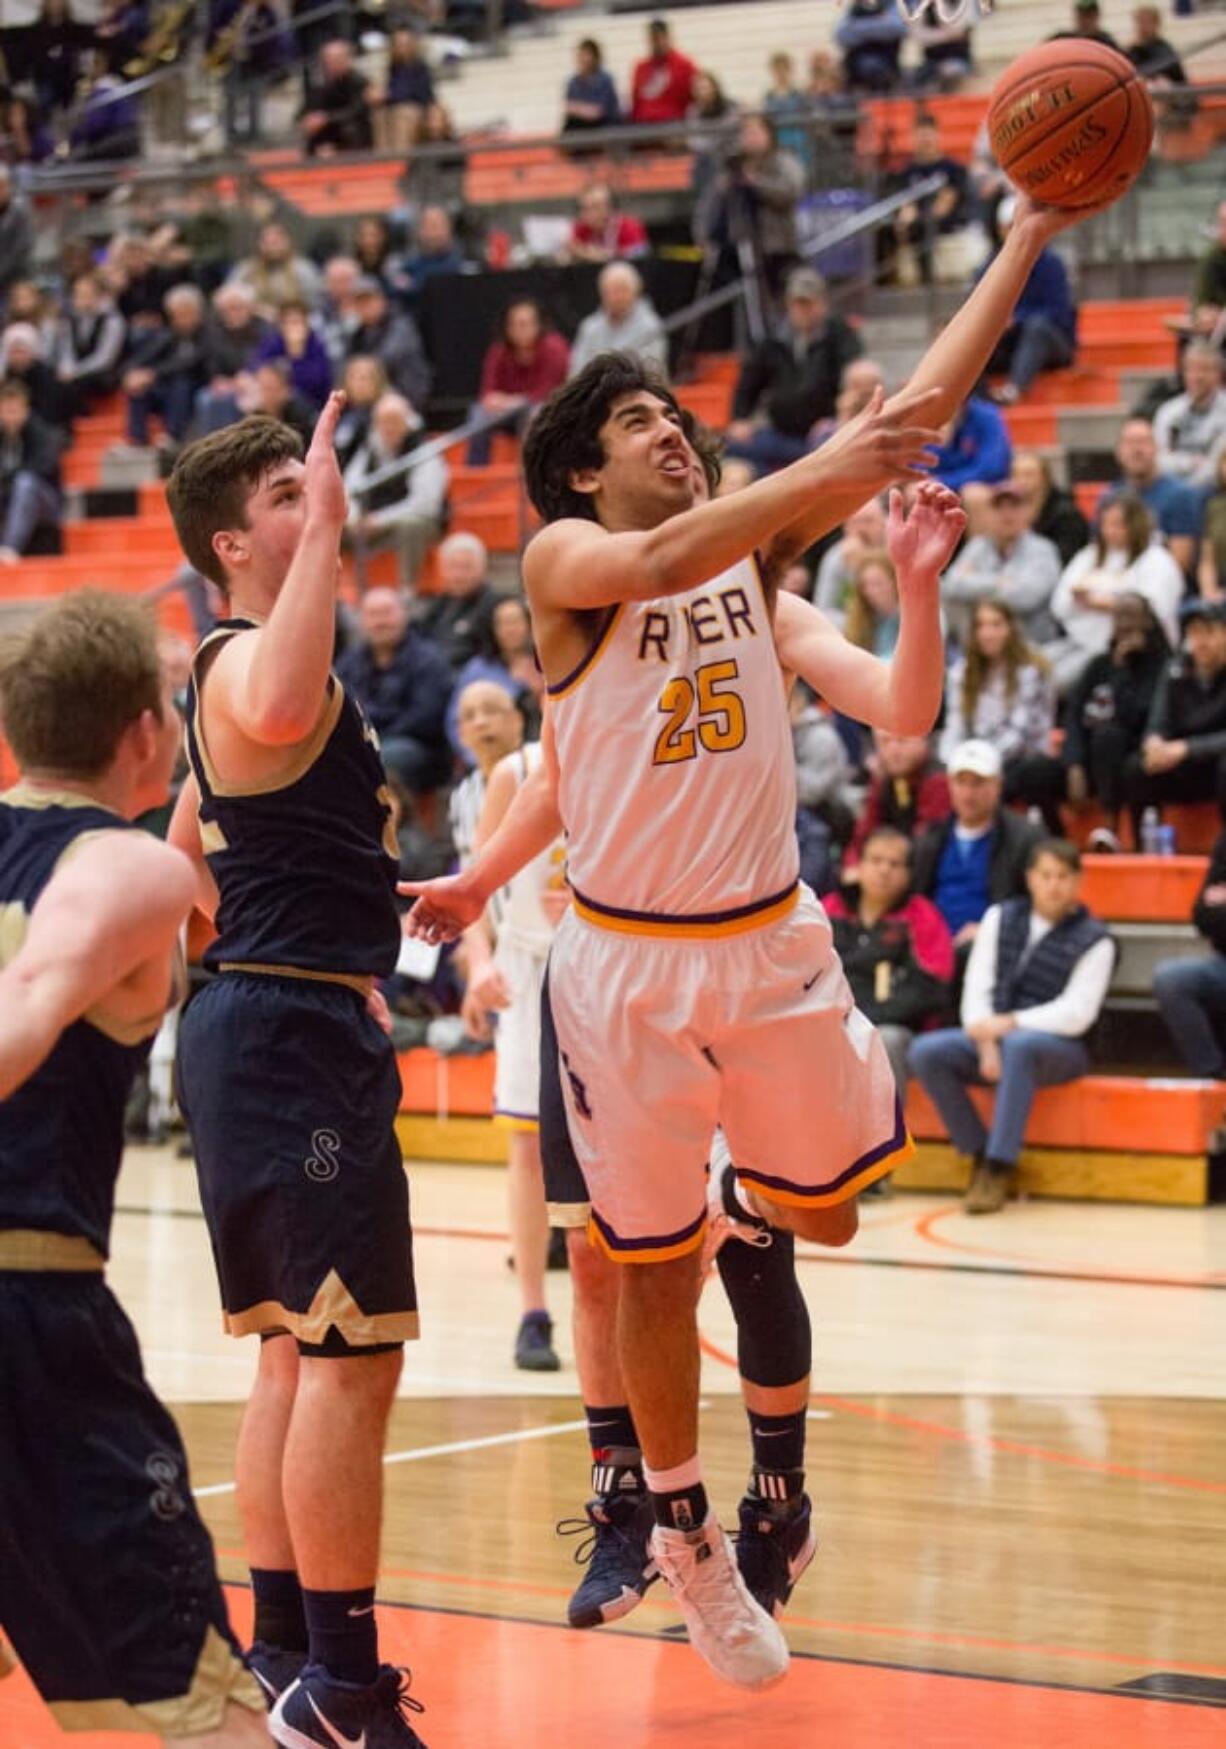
{"type": "Point", "coordinates": [619, 1568]}
{"type": "Point", "coordinates": [774, 1545]}
{"type": "Point", "coordinates": [317, 1712]}
{"type": "Point", "coordinates": [274, 1669]}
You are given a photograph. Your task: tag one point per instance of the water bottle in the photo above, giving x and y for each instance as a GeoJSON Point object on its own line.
{"type": "Point", "coordinates": [1166, 841]}
{"type": "Point", "coordinates": [1151, 833]}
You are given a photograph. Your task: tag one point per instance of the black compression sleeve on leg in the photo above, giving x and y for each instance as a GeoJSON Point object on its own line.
{"type": "Point", "coordinates": [774, 1338]}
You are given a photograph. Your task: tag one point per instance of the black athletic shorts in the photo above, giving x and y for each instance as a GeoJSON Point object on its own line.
{"type": "Point", "coordinates": [108, 1587]}
{"type": "Point", "coordinates": [290, 1090]}
{"type": "Point", "coordinates": [565, 1185]}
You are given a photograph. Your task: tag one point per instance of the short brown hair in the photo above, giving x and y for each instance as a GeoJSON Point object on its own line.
{"type": "Point", "coordinates": [1060, 849]}
{"type": "Point", "coordinates": [76, 678]}
{"type": "Point", "coordinates": [215, 476]}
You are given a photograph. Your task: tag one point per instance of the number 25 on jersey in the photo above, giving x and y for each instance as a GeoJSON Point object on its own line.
{"type": "Point", "coordinates": [719, 714]}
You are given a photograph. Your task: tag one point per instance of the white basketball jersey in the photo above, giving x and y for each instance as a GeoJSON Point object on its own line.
{"type": "Point", "coordinates": [516, 909]}
{"type": "Point", "coordinates": [678, 781]}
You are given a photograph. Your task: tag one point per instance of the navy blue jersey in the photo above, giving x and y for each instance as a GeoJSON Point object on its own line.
{"type": "Point", "coordinates": [306, 869]}
{"type": "Point", "coordinates": [61, 1133]}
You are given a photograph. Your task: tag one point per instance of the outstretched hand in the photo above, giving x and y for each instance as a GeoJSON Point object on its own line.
{"type": "Point", "coordinates": [322, 483]}
{"type": "Point", "coordinates": [921, 541]}
{"type": "Point", "coordinates": [444, 909]}
{"type": "Point", "coordinates": [886, 441]}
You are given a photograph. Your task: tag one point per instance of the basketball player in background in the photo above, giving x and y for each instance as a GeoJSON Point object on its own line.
{"type": "Point", "coordinates": [507, 979]}
{"type": "Point", "coordinates": [288, 1083]}
{"type": "Point", "coordinates": [691, 983]}
{"type": "Point", "coordinates": [108, 1588]}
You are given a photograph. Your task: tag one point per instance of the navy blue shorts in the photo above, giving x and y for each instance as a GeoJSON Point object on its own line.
{"type": "Point", "coordinates": [565, 1186]}
{"type": "Point", "coordinates": [290, 1091]}
{"type": "Point", "coordinates": [108, 1586]}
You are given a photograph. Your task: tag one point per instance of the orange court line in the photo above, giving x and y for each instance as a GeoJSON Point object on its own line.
{"type": "Point", "coordinates": [1014, 1447]}
{"type": "Point", "coordinates": [924, 1225]}
{"type": "Point", "coordinates": [491, 1684]}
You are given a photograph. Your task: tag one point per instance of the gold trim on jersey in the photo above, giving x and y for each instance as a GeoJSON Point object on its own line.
{"type": "Point", "coordinates": [831, 1198]}
{"type": "Point", "coordinates": [302, 756]}
{"type": "Point", "coordinates": [738, 921]}
{"type": "Point", "coordinates": [212, 838]}
{"type": "Point", "coordinates": [220, 1679]}
{"type": "Point", "coordinates": [332, 1307]}
{"type": "Point", "coordinates": [351, 980]}
{"type": "Point", "coordinates": [25, 794]}
{"type": "Point", "coordinates": [14, 925]}
{"type": "Point", "coordinates": [575, 678]}
{"type": "Point", "coordinates": [36, 1249]}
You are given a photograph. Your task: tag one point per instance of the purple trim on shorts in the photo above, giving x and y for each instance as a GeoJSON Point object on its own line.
{"type": "Point", "coordinates": [524, 1116]}
{"type": "Point", "coordinates": [706, 917]}
{"type": "Point", "coordinates": [896, 1141]}
{"type": "Point", "coordinates": [615, 1243]}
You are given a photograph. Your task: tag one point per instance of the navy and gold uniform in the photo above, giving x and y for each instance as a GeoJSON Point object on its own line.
{"type": "Point", "coordinates": [108, 1589]}
{"type": "Point", "coordinates": [288, 1085]}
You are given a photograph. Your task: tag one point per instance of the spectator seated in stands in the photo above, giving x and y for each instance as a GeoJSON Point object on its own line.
{"type": "Point", "coordinates": [403, 685]}
{"type": "Point", "coordinates": [437, 180]}
{"type": "Point", "coordinates": [946, 53]}
{"type": "Point", "coordinates": [1155, 59]}
{"type": "Point", "coordinates": [1191, 993]}
{"type": "Point", "coordinates": [522, 368]}
{"type": "Point", "coordinates": [822, 767]}
{"type": "Point", "coordinates": [625, 322]}
{"type": "Point", "coordinates": [338, 114]}
{"type": "Point", "coordinates": [1211, 571]}
{"type": "Point", "coordinates": [90, 338]}
{"type": "Point", "coordinates": [392, 337]}
{"type": "Point", "coordinates": [858, 384]}
{"type": "Point", "coordinates": [231, 336]}
{"type": "Point", "coordinates": [364, 382]}
{"type": "Point", "coordinates": [276, 274]}
{"type": "Point", "coordinates": [436, 251]}
{"type": "Point", "coordinates": [895, 947]}
{"type": "Point", "coordinates": [872, 621]}
{"type": "Point", "coordinates": [1190, 429]}
{"type": "Point", "coordinates": [405, 512]}
{"type": "Point", "coordinates": [16, 232]}
{"type": "Point", "coordinates": [1105, 718]}
{"type": "Point", "coordinates": [22, 360]}
{"type": "Point", "coordinates": [294, 340]}
{"type": "Point", "coordinates": [137, 282]}
{"type": "Point", "coordinates": [1172, 506]}
{"type": "Point", "coordinates": [787, 107]}
{"type": "Point", "coordinates": [1000, 690]}
{"type": "Point", "coordinates": [1087, 21]}
{"type": "Point", "coordinates": [30, 499]}
{"type": "Point", "coordinates": [752, 199]}
{"type": "Point", "coordinates": [1035, 984]}
{"type": "Point", "coordinates": [917, 225]}
{"type": "Point", "coordinates": [1043, 332]}
{"type": "Point", "coordinates": [513, 666]}
{"type": "Point", "coordinates": [460, 618]}
{"type": "Point", "coordinates": [335, 314]}
{"type": "Point", "coordinates": [269, 389]}
{"type": "Point", "coordinates": [1010, 563]}
{"type": "Point", "coordinates": [1183, 755]}
{"type": "Point", "coordinates": [976, 450]}
{"type": "Point", "coordinates": [870, 35]}
{"type": "Point", "coordinates": [662, 84]}
{"type": "Point", "coordinates": [166, 370]}
{"type": "Point", "coordinates": [406, 95]}
{"type": "Point", "coordinates": [106, 123]}
{"type": "Point", "coordinates": [24, 138]}
{"type": "Point", "coordinates": [715, 116]}
{"type": "Point", "coordinates": [790, 382]}
{"type": "Point", "coordinates": [601, 233]}
{"type": "Point", "coordinates": [1122, 560]}
{"type": "Point", "coordinates": [908, 790]}
{"type": "Point", "coordinates": [976, 857]}
{"type": "Point", "coordinates": [1050, 511]}
{"type": "Point", "coordinates": [863, 532]}
{"type": "Point", "coordinates": [590, 99]}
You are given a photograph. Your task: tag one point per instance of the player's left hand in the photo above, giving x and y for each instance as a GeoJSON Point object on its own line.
{"type": "Point", "coordinates": [444, 908]}
{"type": "Point", "coordinates": [921, 541]}
{"type": "Point", "coordinates": [322, 482]}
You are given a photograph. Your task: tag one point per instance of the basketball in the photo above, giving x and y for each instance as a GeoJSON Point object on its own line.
{"type": "Point", "coordinates": [1071, 123]}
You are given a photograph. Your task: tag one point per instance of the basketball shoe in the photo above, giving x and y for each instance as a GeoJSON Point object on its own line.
{"type": "Point", "coordinates": [274, 1669]}
{"type": "Point", "coordinates": [619, 1568]}
{"type": "Point", "coordinates": [317, 1712]}
{"type": "Point", "coordinates": [774, 1545]}
{"type": "Point", "coordinates": [728, 1628]}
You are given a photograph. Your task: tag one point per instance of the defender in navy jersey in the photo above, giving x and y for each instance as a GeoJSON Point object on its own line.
{"type": "Point", "coordinates": [287, 1079]}
{"type": "Point", "coordinates": [108, 1589]}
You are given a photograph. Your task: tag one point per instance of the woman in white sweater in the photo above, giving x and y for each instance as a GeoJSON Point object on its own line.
{"type": "Point", "coordinates": [1122, 560]}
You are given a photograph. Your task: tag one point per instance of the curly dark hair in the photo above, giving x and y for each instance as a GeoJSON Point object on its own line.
{"type": "Point", "coordinates": [707, 445]}
{"type": "Point", "coordinates": [564, 437]}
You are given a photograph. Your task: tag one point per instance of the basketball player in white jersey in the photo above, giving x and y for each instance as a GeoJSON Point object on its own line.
{"type": "Point", "coordinates": [692, 982]}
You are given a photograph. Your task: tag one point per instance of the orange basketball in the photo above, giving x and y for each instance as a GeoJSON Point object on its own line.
{"type": "Point", "coordinates": [1071, 123]}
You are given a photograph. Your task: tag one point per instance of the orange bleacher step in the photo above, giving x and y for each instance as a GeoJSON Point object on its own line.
{"type": "Point", "coordinates": [1075, 388]}
{"type": "Point", "coordinates": [710, 402]}
{"type": "Point", "coordinates": [1121, 1113]}
{"type": "Point", "coordinates": [120, 537]}
{"type": "Point", "coordinates": [447, 1086]}
{"type": "Point", "coordinates": [1029, 426]}
{"type": "Point", "coordinates": [127, 574]}
{"type": "Point", "coordinates": [1142, 889]}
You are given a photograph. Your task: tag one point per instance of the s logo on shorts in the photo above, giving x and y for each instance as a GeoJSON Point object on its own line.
{"type": "Point", "coordinates": [578, 1090]}
{"type": "Point", "coordinates": [166, 1502]}
{"type": "Point", "coordinates": [323, 1165]}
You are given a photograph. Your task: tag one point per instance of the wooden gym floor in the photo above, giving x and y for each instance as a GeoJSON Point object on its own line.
{"type": "Point", "coordinates": [1017, 1454]}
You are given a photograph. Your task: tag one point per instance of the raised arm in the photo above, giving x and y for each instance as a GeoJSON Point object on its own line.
{"type": "Point", "coordinates": [103, 931]}
{"type": "Point", "coordinates": [272, 683]}
{"type": "Point", "coordinates": [903, 695]}
{"type": "Point", "coordinates": [575, 564]}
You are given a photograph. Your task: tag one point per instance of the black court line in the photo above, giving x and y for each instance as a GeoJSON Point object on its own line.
{"type": "Point", "coordinates": [668, 1636]}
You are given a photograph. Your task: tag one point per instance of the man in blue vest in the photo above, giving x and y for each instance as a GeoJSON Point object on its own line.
{"type": "Point", "coordinates": [1035, 984]}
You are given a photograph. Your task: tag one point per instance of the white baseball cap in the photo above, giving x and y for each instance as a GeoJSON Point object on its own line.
{"type": "Point", "coordinates": [978, 757]}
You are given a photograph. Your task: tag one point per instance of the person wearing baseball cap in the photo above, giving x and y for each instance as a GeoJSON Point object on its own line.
{"type": "Point", "coordinates": [1008, 562]}
{"type": "Point", "coordinates": [976, 857]}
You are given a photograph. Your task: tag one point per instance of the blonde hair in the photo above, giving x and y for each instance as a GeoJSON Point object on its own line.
{"type": "Point", "coordinates": [861, 621]}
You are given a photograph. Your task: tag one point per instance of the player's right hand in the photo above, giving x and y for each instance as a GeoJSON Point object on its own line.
{"type": "Point", "coordinates": [884, 443]}
{"type": "Point", "coordinates": [488, 988]}
{"type": "Point", "coordinates": [322, 482]}
{"type": "Point", "coordinates": [444, 908]}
